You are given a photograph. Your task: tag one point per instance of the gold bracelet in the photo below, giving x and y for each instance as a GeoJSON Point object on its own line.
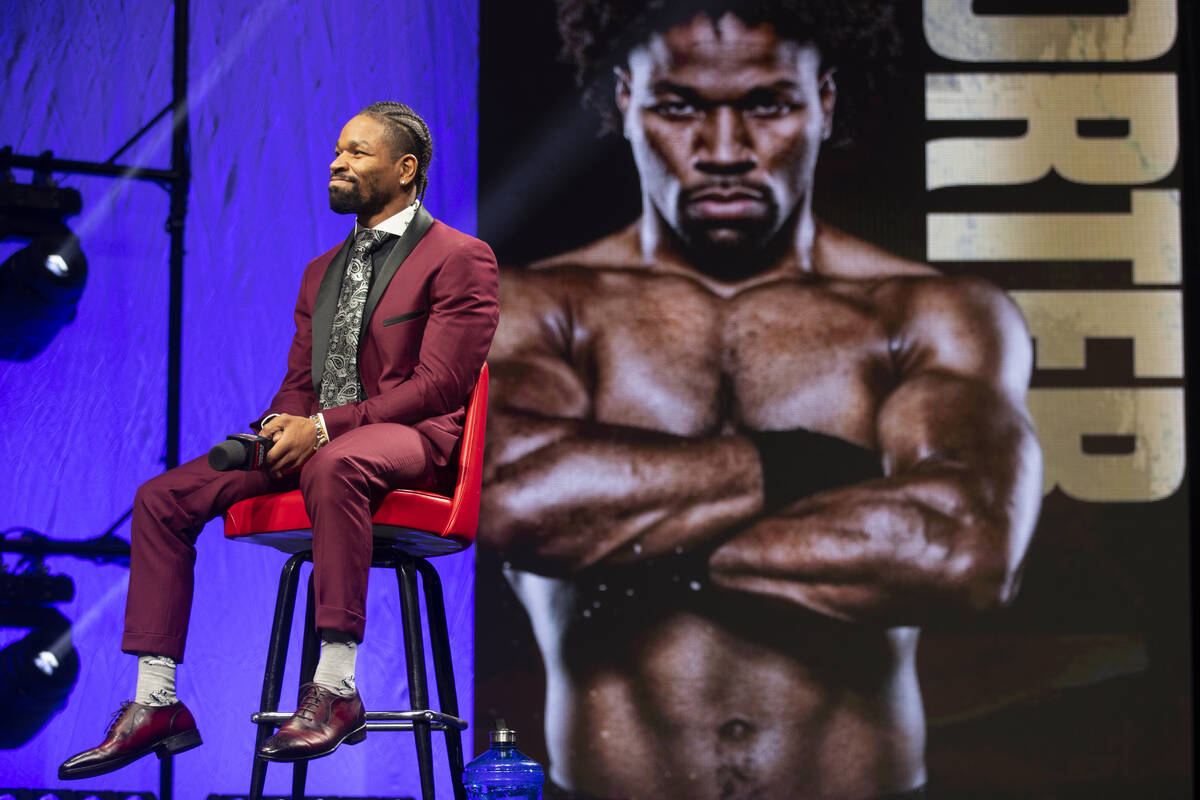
{"type": "Point", "coordinates": [322, 434]}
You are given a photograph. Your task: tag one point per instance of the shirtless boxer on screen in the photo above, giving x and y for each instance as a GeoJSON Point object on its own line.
{"type": "Point", "coordinates": [736, 456]}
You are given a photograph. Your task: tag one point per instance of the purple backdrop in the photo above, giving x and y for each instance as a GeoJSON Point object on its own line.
{"type": "Point", "coordinates": [84, 421]}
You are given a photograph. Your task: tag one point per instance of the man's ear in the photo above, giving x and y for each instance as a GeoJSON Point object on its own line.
{"type": "Point", "coordinates": [828, 94]}
{"type": "Point", "coordinates": [623, 92]}
{"type": "Point", "coordinates": [408, 168]}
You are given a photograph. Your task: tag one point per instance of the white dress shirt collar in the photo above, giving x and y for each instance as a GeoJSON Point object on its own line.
{"type": "Point", "coordinates": [396, 224]}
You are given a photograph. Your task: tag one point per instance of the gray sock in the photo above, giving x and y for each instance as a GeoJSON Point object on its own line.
{"type": "Point", "coordinates": [155, 680]}
{"type": "Point", "coordinates": [335, 669]}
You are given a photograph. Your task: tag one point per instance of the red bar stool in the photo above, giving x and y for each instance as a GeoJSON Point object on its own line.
{"type": "Point", "coordinates": [409, 526]}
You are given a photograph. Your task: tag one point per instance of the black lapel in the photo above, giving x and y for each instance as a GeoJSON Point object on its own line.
{"type": "Point", "coordinates": [420, 225]}
{"type": "Point", "coordinates": [325, 307]}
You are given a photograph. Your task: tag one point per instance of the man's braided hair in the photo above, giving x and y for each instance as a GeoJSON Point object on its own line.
{"type": "Point", "coordinates": [406, 133]}
{"type": "Point", "coordinates": [857, 37]}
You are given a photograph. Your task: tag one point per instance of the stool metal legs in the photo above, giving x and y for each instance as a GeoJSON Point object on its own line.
{"type": "Point", "coordinates": [309, 653]}
{"type": "Point", "coordinates": [421, 720]}
{"type": "Point", "coordinates": [439, 643]}
{"type": "Point", "coordinates": [414, 657]}
{"type": "Point", "coordinates": [166, 777]}
{"type": "Point", "coordinates": [285, 603]}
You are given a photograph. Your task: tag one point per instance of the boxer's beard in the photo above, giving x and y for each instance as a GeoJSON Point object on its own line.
{"type": "Point", "coordinates": [732, 249]}
{"type": "Point", "coordinates": [352, 199]}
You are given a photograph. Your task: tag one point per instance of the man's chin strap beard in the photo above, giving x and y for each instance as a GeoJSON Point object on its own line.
{"type": "Point", "coordinates": [366, 210]}
{"type": "Point", "coordinates": [363, 210]}
{"type": "Point", "coordinates": [734, 262]}
{"type": "Point", "coordinates": [345, 204]}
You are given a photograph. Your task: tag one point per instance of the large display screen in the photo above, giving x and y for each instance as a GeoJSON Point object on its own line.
{"type": "Point", "coordinates": [837, 445]}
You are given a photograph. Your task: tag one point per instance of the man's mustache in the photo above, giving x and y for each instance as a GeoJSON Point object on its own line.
{"type": "Point", "coordinates": [344, 176]}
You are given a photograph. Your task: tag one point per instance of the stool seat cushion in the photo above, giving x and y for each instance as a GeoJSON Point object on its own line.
{"type": "Point", "coordinates": [420, 523]}
{"type": "Point", "coordinates": [417, 521]}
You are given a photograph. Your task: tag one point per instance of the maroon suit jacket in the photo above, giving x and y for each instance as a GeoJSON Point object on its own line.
{"type": "Point", "coordinates": [428, 324]}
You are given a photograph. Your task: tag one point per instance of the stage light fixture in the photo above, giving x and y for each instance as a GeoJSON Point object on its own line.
{"type": "Point", "coordinates": [37, 674]}
{"type": "Point", "coordinates": [40, 284]}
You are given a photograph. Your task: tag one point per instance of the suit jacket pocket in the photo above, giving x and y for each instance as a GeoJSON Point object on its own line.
{"type": "Point", "coordinates": [404, 317]}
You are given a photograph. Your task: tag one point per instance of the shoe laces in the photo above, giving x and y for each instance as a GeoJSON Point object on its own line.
{"type": "Point", "coordinates": [309, 703]}
{"type": "Point", "coordinates": [115, 717]}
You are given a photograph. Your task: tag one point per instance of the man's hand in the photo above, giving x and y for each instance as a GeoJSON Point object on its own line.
{"type": "Point", "coordinates": [295, 440]}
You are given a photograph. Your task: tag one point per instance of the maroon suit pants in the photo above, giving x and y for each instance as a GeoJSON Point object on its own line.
{"type": "Point", "coordinates": [342, 484]}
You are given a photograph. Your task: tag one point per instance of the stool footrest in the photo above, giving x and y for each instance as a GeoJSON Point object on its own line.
{"type": "Point", "coordinates": [378, 720]}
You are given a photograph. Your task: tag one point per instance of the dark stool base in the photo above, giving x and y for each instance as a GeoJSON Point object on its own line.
{"type": "Point", "coordinates": [420, 720]}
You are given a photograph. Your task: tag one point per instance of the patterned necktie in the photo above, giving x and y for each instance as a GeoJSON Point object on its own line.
{"type": "Point", "coordinates": [339, 381]}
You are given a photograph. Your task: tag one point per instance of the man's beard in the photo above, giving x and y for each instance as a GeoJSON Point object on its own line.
{"type": "Point", "coordinates": [351, 199]}
{"type": "Point", "coordinates": [735, 250]}
{"type": "Point", "coordinates": [726, 236]}
{"type": "Point", "coordinates": [731, 249]}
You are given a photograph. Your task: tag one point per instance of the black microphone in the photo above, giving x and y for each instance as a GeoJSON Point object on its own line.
{"type": "Point", "coordinates": [240, 451]}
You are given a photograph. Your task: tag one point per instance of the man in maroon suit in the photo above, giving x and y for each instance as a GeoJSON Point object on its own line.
{"type": "Point", "coordinates": [379, 369]}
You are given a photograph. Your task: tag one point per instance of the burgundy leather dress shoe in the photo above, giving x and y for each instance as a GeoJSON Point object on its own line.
{"type": "Point", "coordinates": [323, 720]}
{"type": "Point", "coordinates": [137, 730]}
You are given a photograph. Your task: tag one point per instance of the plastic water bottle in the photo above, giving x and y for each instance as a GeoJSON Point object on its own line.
{"type": "Point", "coordinates": [503, 771]}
